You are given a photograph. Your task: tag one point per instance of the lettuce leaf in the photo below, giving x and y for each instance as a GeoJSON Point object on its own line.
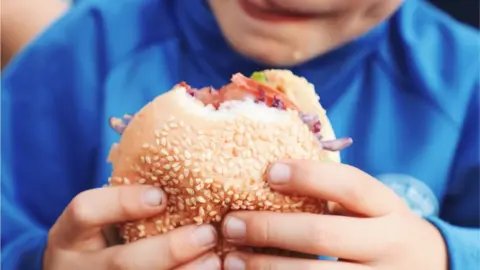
{"type": "Point", "coordinates": [259, 77]}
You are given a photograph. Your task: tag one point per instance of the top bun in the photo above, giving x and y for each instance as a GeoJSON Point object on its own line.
{"type": "Point", "coordinates": [303, 94]}
{"type": "Point", "coordinates": [213, 160]}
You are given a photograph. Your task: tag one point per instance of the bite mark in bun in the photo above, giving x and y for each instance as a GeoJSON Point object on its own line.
{"type": "Point", "coordinates": [209, 149]}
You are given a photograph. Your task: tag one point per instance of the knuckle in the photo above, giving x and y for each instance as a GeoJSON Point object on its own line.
{"type": "Point", "coordinates": [261, 232]}
{"type": "Point", "coordinates": [302, 172]}
{"type": "Point", "coordinates": [79, 210]}
{"type": "Point", "coordinates": [175, 253]}
{"type": "Point", "coordinates": [355, 193]}
{"type": "Point", "coordinates": [128, 204]}
{"type": "Point", "coordinates": [315, 237]}
{"type": "Point", "coordinates": [124, 203]}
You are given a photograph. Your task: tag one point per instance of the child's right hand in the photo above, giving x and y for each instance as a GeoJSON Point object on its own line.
{"type": "Point", "coordinates": [76, 240]}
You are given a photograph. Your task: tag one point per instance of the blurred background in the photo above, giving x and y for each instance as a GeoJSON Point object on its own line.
{"type": "Point", "coordinates": [466, 11]}
{"type": "Point", "coordinates": [22, 20]}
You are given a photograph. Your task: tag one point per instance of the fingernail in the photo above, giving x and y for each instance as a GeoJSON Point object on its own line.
{"type": "Point", "coordinates": [234, 262]}
{"type": "Point", "coordinates": [153, 197]}
{"type": "Point", "coordinates": [279, 173]}
{"type": "Point", "coordinates": [235, 229]}
{"type": "Point", "coordinates": [210, 263]}
{"type": "Point", "coordinates": [204, 235]}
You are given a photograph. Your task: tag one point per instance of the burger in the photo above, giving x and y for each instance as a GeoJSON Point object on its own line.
{"type": "Point", "coordinates": [209, 149]}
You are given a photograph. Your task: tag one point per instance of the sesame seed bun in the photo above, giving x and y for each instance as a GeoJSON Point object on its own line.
{"type": "Point", "coordinates": [211, 161]}
{"type": "Point", "coordinates": [302, 93]}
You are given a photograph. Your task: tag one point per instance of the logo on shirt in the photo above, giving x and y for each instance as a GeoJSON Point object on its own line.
{"type": "Point", "coordinates": [418, 196]}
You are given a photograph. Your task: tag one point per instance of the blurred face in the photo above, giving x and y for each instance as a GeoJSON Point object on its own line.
{"type": "Point", "coordinates": [288, 32]}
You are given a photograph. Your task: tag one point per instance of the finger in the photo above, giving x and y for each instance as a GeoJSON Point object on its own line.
{"type": "Point", "coordinates": [96, 208]}
{"type": "Point", "coordinates": [353, 189]}
{"type": "Point", "coordinates": [356, 239]}
{"type": "Point", "coordinates": [250, 261]}
{"type": "Point", "coordinates": [209, 261]}
{"type": "Point", "coordinates": [162, 252]}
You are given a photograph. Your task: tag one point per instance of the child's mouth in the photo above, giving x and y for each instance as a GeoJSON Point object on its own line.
{"type": "Point", "coordinates": [272, 14]}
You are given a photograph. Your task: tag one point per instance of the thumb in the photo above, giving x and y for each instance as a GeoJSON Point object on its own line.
{"type": "Point", "coordinates": [93, 209]}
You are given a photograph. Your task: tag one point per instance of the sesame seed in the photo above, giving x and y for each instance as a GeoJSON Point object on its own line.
{"type": "Point", "coordinates": [163, 141]}
{"type": "Point", "coordinates": [176, 167]}
{"type": "Point", "coordinates": [217, 168]}
{"type": "Point", "coordinates": [198, 220]}
{"type": "Point", "coordinates": [208, 180]}
{"type": "Point", "coordinates": [181, 206]}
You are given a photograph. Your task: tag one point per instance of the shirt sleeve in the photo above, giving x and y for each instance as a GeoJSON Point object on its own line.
{"type": "Point", "coordinates": [49, 106]}
{"type": "Point", "coordinates": [459, 220]}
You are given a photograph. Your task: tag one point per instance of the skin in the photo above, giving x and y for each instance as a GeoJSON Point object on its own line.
{"type": "Point", "coordinates": [76, 241]}
{"type": "Point", "coordinates": [387, 233]}
{"type": "Point", "coordinates": [371, 228]}
{"type": "Point", "coordinates": [335, 22]}
{"type": "Point", "coordinates": [24, 20]}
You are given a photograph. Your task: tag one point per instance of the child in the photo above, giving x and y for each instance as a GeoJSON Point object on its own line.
{"type": "Point", "coordinates": [400, 78]}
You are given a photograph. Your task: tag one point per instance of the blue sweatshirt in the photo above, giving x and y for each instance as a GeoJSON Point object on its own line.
{"type": "Point", "coordinates": [407, 92]}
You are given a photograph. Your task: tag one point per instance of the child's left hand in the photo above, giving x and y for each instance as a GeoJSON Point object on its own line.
{"type": "Point", "coordinates": [375, 230]}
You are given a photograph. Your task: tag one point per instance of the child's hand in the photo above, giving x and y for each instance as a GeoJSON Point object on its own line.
{"type": "Point", "coordinates": [375, 231]}
{"type": "Point", "coordinates": [76, 240]}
